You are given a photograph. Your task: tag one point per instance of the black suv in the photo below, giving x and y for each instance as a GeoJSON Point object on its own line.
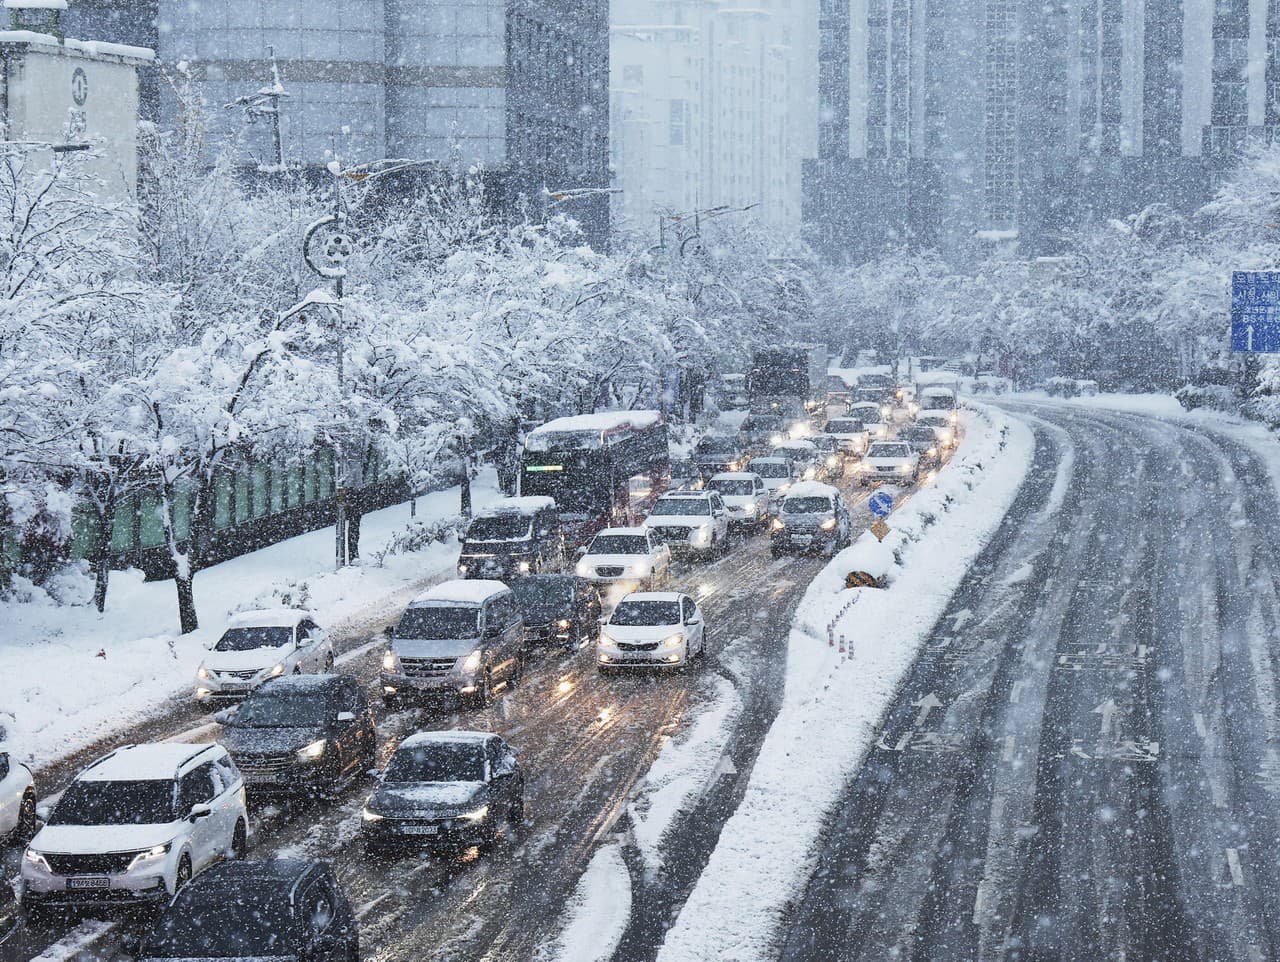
{"type": "Point", "coordinates": [718, 453]}
{"type": "Point", "coordinates": [514, 537]}
{"type": "Point", "coordinates": [558, 609]}
{"type": "Point", "coordinates": [445, 788]}
{"type": "Point", "coordinates": [279, 909]}
{"type": "Point", "coordinates": [302, 735]}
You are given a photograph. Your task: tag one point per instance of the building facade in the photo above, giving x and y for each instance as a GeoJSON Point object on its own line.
{"type": "Point", "coordinates": [970, 125]}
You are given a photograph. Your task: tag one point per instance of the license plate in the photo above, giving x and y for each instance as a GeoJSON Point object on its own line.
{"type": "Point", "coordinates": [420, 829]}
{"type": "Point", "coordinates": [235, 688]}
{"type": "Point", "coordinates": [89, 882]}
{"type": "Point", "coordinates": [802, 538]}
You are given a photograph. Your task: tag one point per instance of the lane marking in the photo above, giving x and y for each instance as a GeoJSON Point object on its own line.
{"type": "Point", "coordinates": [1237, 873]}
{"type": "Point", "coordinates": [1008, 748]}
{"type": "Point", "coordinates": [1200, 727]}
{"type": "Point", "coordinates": [1015, 692]}
{"type": "Point", "coordinates": [1217, 792]}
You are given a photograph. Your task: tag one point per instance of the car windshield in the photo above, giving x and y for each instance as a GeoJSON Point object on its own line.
{"type": "Point", "coordinates": [681, 506]}
{"type": "Point", "coordinates": [870, 415]}
{"type": "Point", "coordinates": [771, 469]}
{"type": "Point", "coordinates": [247, 639]}
{"type": "Point", "coordinates": [285, 708]}
{"type": "Point", "coordinates": [847, 426]}
{"type": "Point", "coordinates": [794, 453]}
{"type": "Point", "coordinates": [733, 487]}
{"type": "Point", "coordinates": [646, 613]}
{"type": "Point", "coordinates": [619, 544]}
{"type": "Point", "coordinates": [717, 446]}
{"type": "Point", "coordinates": [501, 527]}
{"type": "Point", "coordinates": [539, 592]}
{"type": "Point", "coordinates": [233, 923]}
{"type": "Point", "coordinates": [889, 451]}
{"type": "Point", "coordinates": [442, 762]}
{"type": "Point", "coordinates": [806, 505]}
{"type": "Point", "coordinates": [440, 622]}
{"type": "Point", "coordinates": [921, 434]}
{"type": "Point", "coordinates": [89, 802]}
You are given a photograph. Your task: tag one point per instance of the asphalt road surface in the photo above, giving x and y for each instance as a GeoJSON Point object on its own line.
{"type": "Point", "coordinates": [1083, 765]}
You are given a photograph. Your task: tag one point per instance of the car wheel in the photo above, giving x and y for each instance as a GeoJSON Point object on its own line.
{"type": "Point", "coordinates": [27, 821]}
{"type": "Point", "coordinates": [184, 874]}
{"type": "Point", "coordinates": [775, 551]}
{"type": "Point", "coordinates": [297, 669]}
{"type": "Point", "coordinates": [392, 703]}
{"type": "Point", "coordinates": [239, 842]}
{"type": "Point", "coordinates": [328, 664]}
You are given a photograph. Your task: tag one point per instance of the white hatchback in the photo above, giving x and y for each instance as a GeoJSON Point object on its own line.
{"type": "Point", "coordinates": [627, 556]}
{"type": "Point", "coordinates": [259, 645]}
{"type": "Point", "coordinates": [652, 630]}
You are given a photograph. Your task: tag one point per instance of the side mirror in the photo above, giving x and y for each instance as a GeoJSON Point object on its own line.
{"type": "Point", "coordinates": [345, 717]}
{"type": "Point", "coordinates": [389, 631]}
{"type": "Point", "coordinates": [695, 620]}
{"type": "Point", "coordinates": [224, 716]}
{"type": "Point", "coordinates": [200, 811]}
{"type": "Point", "coordinates": [582, 551]}
{"type": "Point", "coordinates": [209, 645]}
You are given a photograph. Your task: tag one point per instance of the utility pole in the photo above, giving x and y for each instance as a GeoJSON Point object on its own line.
{"type": "Point", "coordinates": [266, 103]}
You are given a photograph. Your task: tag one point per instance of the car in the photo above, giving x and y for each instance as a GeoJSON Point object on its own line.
{"type": "Point", "coordinates": [135, 826]}
{"type": "Point", "coordinates": [461, 641]}
{"type": "Point", "coordinates": [691, 523]}
{"type": "Point", "coordinates": [17, 799]}
{"type": "Point", "coordinates": [838, 390]}
{"type": "Point", "coordinates": [812, 517]}
{"type": "Point", "coordinates": [652, 630]}
{"type": "Point", "coordinates": [761, 431]}
{"type": "Point", "coordinates": [513, 537]}
{"type": "Point", "coordinates": [830, 457]}
{"type": "Point", "coordinates": [889, 461]}
{"type": "Point", "coordinates": [873, 417]}
{"type": "Point", "coordinates": [310, 736]}
{"type": "Point", "coordinates": [924, 441]}
{"type": "Point", "coordinates": [746, 499]}
{"type": "Point", "coordinates": [258, 645]}
{"type": "Point", "coordinates": [715, 453]}
{"type": "Point", "coordinates": [853, 436]}
{"type": "Point", "coordinates": [558, 609]}
{"type": "Point", "coordinates": [445, 788]}
{"type": "Point", "coordinates": [778, 474]}
{"type": "Point", "coordinates": [875, 389]}
{"type": "Point", "coordinates": [803, 454]}
{"type": "Point", "coordinates": [938, 399]}
{"type": "Point", "coordinates": [279, 909]}
{"type": "Point", "coordinates": [626, 557]}
{"type": "Point", "coordinates": [943, 427]}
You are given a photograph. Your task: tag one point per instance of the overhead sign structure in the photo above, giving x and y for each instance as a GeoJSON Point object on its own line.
{"type": "Point", "coordinates": [880, 503]}
{"type": "Point", "coordinates": [1255, 312]}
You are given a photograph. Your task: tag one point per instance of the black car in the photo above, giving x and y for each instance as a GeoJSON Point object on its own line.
{"type": "Point", "coordinates": [278, 909]}
{"type": "Point", "coordinates": [924, 441]}
{"type": "Point", "coordinates": [718, 453]}
{"type": "Point", "coordinates": [763, 430]}
{"type": "Point", "coordinates": [558, 609]}
{"type": "Point", "coordinates": [302, 735]}
{"type": "Point", "coordinates": [514, 537]}
{"type": "Point", "coordinates": [447, 788]}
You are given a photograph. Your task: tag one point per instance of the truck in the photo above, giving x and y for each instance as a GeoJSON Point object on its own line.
{"type": "Point", "coordinates": [788, 378]}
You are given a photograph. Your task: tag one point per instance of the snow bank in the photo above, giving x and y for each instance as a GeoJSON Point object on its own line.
{"type": "Point", "coordinates": [833, 702]}
{"type": "Point", "coordinates": [598, 911]}
{"type": "Point", "coordinates": [132, 657]}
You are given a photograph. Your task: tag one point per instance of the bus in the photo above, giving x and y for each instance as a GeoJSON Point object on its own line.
{"type": "Point", "coordinates": [602, 469]}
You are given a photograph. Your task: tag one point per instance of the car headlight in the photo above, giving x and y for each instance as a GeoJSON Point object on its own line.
{"type": "Point", "coordinates": [370, 816]}
{"type": "Point", "coordinates": [471, 663]}
{"type": "Point", "coordinates": [152, 854]}
{"type": "Point", "coordinates": [932, 452]}
{"type": "Point", "coordinates": [749, 508]}
{"type": "Point", "coordinates": [389, 661]}
{"type": "Point", "coordinates": [313, 751]}
{"type": "Point", "coordinates": [475, 815]}
{"type": "Point", "coordinates": [783, 488]}
{"type": "Point", "coordinates": [809, 474]}
{"type": "Point", "coordinates": [904, 468]}
{"type": "Point", "coordinates": [277, 670]}
{"type": "Point", "coordinates": [563, 623]}
{"type": "Point", "coordinates": [702, 535]}
{"type": "Point", "coordinates": [606, 639]}
{"type": "Point", "coordinates": [583, 569]}
{"type": "Point", "coordinates": [778, 524]}
{"type": "Point", "coordinates": [524, 567]}
{"type": "Point", "coordinates": [828, 524]}
{"type": "Point", "coordinates": [462, 569]}
{"type": "Point", "coordinates": [36, 860]}
{"type": "Point", "coordinates": [776, 439]}
{"type": "Point", "coordinates": [642, 568]}
{"type": "Point", "coordinates": [832, 461]}
{"type": "Point", "coordinates": [203, 673]}
{"type": "Point", "coordinates": [203, 692]}
{"type": "Point", "coordinates": [673, 641]}
{"type": "Point", "coordinates": [954, 418]}
{"type": "Point", "coordinates": [886, 411]}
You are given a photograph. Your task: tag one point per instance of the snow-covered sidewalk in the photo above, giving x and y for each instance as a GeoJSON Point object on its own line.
{"type": "Point", "coordinates": [69, 676]}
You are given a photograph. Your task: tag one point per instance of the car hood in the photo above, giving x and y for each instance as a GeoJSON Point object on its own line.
{"type": "Point", "coordinates": [435, 648]}
{"type": "Point", "coordinates": [738, 500]}
{"type": "Point", "coordinates": [676, 521]}
{"type": "Point", "coordinates": [223, 958]}
{"type": "Point", "coordinates": [640, 633]}
{"type": "Point", "coordinates": [888, 462]}
{"type": "Point", "coordinates": [538, 614]}
{"type": "Point", "coordinates": [497, 549]}
{"type": "Point", "coordinates": [606, 560]}
{"type": "Point", "coordinates": [102, 839]}
{"type": "Point", "coordinates": [267, 740]}
{"type": "Point", "coordinates": [428, 799]}
{"type": "Point", "coordinates": [254, 658]}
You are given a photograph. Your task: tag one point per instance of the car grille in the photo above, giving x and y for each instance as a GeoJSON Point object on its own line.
{"type": "Point", "coordinates": [257, 768]}
{"type": "Point", "coordinates": [426, 667]}
{"type": "Point", "coordinates": [647, 646]}
{"type": "Point", "coordinates": [609, 571]}
{"type": "Point", "coordinates": [113, 863]}
{"type": "Point", "coordinates": [239, 675]}
{"type": "Point", "coordinates": [669, 533]}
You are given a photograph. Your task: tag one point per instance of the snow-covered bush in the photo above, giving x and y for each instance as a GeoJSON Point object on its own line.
{"type": "Point", "coordinates": [419, 536]}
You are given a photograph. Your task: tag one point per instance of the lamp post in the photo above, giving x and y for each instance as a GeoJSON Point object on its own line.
{"type": "Point", "coordinates": [266, 103]}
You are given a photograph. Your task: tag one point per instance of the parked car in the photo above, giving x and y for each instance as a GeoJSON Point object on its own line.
{"type": "Point", "coordinates": [943, 427]}
{"type": "Point", "coordinates": [924, 442]}
{"type": "Point", "coordinates": [280, 909]}
{"type": "Point", "coordinates": [763, 430]}
{"type": "Point", "coordinates": [715, 453]}
{"type": "Point", "coordinates": [652, 630]}
{"type": "Point", "coordinates": [893, 461]}
{"type": "Point", "coordinates": [135, 826]}
{"type": "Point", "coordinates": [873, 418]}
{"type": "Point", "coordinates": [515, 536]}
{"type": "Point", "coordinates": [462, 640]}
{"type": "Point", "coordinates": [803, 454]}
{"type": "Point", "coordinates": [17, 799]}
{"type": "Point", "coordinates": [445, 788]}
{"type": "Point", "coordinates": [558, 609]}
{"type": "Point", "coordinates": [853, 435]}
{"type": "Point", "coordinates": [626, 556]}
{"type": "Point", "coordinates": [778, 474]}
{"type": "Point", "coordinates": [259, 645]}
{"type": "Point", "coordinates": [691, 523]}
{"type": "Point", "coordinates": [812, 517]}
{"type": "Point", "coordinates": [746, 499]}
{"type": "Point", "coordinates": [312, 736]}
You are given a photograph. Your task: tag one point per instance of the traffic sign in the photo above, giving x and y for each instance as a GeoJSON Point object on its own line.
{"type": "Point", "coordinates": [880, 529]}
{"type": "Point", "coordinates": [881, 503]}
{"type": "Point", "coordinates": [1255, 312]}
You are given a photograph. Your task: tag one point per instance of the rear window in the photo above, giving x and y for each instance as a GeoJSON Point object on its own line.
{"type": "Point", "coordinates": [771, 470]}
{"type": "Point", "coordinates": [718, 445]}
{"type": "Point", "coordinates": [619, 544]}
{"type": "Point", "coordinates": [843, 426]}
{"type": "Point", "coordinates": [642, 613]}
{"type": "Point", "coordinates": [681, 507]}
{"type": "Point", "coordinates": [732, 487]}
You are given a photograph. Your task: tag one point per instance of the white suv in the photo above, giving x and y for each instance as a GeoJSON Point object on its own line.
{"type": "Point", "coordinates": [691, 522]}
{"type": "Point", "coordinates": [258, 645]}
{"type": "Point", "coordinates": [17, 799]}
{"type": "Point", "coordinates": [135, 826]}
{"type": "Point", "coordinates": [892, 461]}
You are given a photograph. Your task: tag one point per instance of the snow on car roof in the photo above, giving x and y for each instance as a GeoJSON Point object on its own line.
{"type": "Point", "coordinates": [797, 445]}
{"type": "Point", "coordinates": [303, 683]}
{"type": "Point", "coordinates": [269, 618]}
{"type": "Point", "coordinates": [652, 596]}
{"type": "Point", "coordinates": [676, 495]}
{"type": "Point", "coordinates": [740, 475]}
{"type": "Point", "coordinates": [600, 421]}
{"type": "Point", "coordinates": [637, 531]}
{"type": "Point", "coordinates": [469, 592]}
{"type": "Point", "coordinates": [528, 504]}
{"type": "Point", "coordinates": [142, 763]}
{"type": "Point", "coordinates": [418, 739]}
{"type": "Point", "coordinates": [768, 460]}
{"type": "Point", "coordinates": [812, 489]}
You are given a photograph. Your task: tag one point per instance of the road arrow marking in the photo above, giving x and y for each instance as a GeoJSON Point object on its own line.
{"type": "Point", "coordinates": [926, 705]}
{"type": "Point", "coordinates": [1008, 748]}
{"type": "Point", "coordinates": [1107, 710]}
{"type": "Point", "coordinates": [1233, 863]}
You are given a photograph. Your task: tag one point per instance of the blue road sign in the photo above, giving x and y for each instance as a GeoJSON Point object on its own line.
{"type": "Point", "coordinates": [880, 504]}
{"type": "Point", "coordinates": [1255, 312]}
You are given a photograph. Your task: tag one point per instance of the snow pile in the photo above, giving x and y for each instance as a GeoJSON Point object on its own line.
{"type": "Point", "coordinates": [833, 702]}
{"type": "Point", "coordinates": [598, 911]}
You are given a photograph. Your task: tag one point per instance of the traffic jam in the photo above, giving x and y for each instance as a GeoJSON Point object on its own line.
{"type": "Point", "coordinates": [477, 725]}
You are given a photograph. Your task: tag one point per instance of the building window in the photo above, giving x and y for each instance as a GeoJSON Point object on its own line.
{"type": "Point", "coordinates": [633, 73]}
{"type": "Point", "coordinates": [679, 122]}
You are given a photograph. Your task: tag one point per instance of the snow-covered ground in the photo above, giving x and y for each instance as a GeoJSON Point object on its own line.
{"type": "Point", "coordinates": [69, 676]}
{"type": "Point", "coordinates": [598, 912]}
{"type": "Point", "coordinates": [833, 701]}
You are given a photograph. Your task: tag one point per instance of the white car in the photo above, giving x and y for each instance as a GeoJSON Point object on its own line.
{"type": "Point", "coordinates": [691, 522]}
{"type": "Point", "coordinates": [804, 454]}
{"type": "Point", "coordinates": [942, 425]}
{"type": "Point", "coordinates": [853, 435]}
{"type": "Point", "coordinates": [890, 461]}
{"type": "Point", "coordinates": [778, 475]}
{"type": "Point", "coordinates": [652, 630]}
{"type": "Point", "coordinates": [745, 498]}
{"type": "Point", "coordinates": [135, 826]}
{"type": "Point", "coordinates": [259, 645]}
{"type": "Point", "coordinates": [872, 417]}
{"type": "Point", "coordinates": [17, 799]}
{"type": "Point", "coordinates": [626, 556]}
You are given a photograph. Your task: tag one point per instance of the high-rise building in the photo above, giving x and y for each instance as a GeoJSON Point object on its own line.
{"type": "Point", "coordinates": [972, 124]}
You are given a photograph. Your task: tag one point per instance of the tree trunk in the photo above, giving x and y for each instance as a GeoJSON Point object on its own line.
{"type": "Point", "coordinates": [186, 602]}
{"type": "Point", "coordinates": [465, 504]}
{"type": "Point", "coordinates": [102, 552]}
